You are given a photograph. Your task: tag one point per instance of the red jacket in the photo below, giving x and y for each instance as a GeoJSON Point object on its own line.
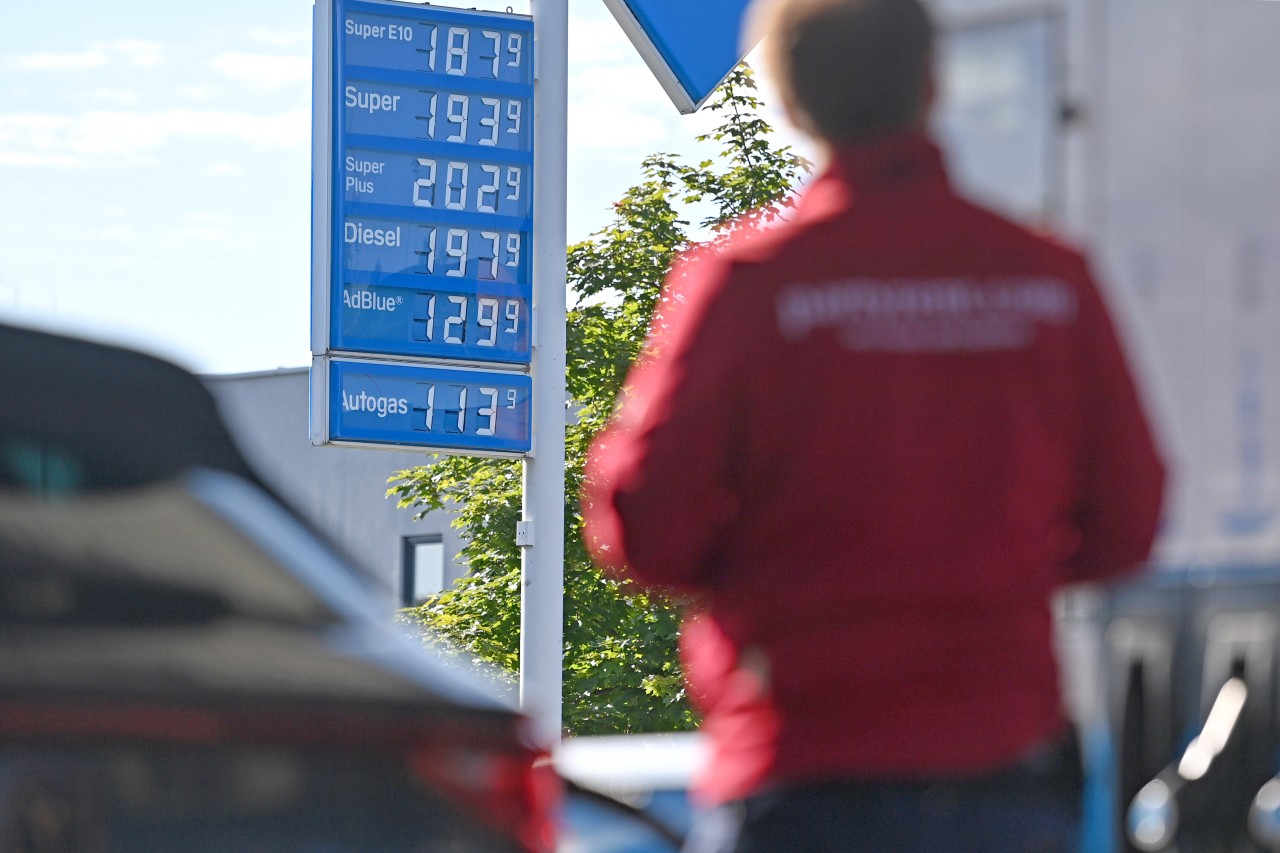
{"type": "Point", "coordinates": [873, 441]}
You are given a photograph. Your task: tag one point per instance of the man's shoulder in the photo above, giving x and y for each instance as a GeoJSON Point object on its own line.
{"type": "Point", "coordinates": [953, 232]}
{"type": "Point", "coordinates": [760, 247]}
{"type": "Point", "coordinates": [747, 244]}
{"type": "Point", "coordinates": [1044, 243]}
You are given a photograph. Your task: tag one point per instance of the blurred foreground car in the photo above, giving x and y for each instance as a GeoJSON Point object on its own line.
{"type": "Point", "coordinates": [185, 665]}
{"type": "Point", "coordinates": [628, 793]}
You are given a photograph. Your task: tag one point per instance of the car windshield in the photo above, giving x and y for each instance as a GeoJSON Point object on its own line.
{"type": "Point", "coordinates": [146, 554]}
{"type": "Point", "coordinates": [643, 822]}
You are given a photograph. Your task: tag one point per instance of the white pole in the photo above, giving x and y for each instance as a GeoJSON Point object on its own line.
{"type": "Point", "coordinates": [542, 574]}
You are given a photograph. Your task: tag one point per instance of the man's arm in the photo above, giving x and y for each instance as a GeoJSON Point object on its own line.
{"type": "Point", "coordinates": [659, 493]}
{"type": "Point", "coordinates": [1122, 478]}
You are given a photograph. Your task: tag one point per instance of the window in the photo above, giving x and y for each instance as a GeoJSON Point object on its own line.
{"type": "Point", "coordinates": [423, 574]}
{"type": "Point", "coordinates": [999, 112]}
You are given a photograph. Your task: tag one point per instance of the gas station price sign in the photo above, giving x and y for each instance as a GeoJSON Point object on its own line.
{"type": "Point", "coordinates": [422, 280]}
{"type": "Point", "coordinates": [431, 180]}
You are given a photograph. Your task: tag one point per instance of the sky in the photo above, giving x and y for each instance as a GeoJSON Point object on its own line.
{"type": "Point", "coordinates": [155, 167]}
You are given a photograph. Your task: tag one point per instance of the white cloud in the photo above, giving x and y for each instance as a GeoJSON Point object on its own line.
{"type": "Point", "coordinates": [607, 127]}
{"type": "Point", "coordinates": [56, 61]}
{"type": "Point", "coordinates": [597, 40]}
{"type": "Point", "coordinates": [224, 169]}
{"type": "Point", "coordinates": [134, 52]}
{"type": "Point", "coordinates": [617, 111]}
{"type": "Point", "coordinates": [200, 93]}
{"type": "Point", "coordinates": [118, 97]}
{"type": "Point", "coordinates": [263, 72]}
{"type": "Point", "coordinates": [118, 233]}
{"type": "Point", "coordinates": [281, 38]}
{"type": "Point", "coordinates": [30, 139]}
{"type": "Point", "coordinates": [201, 228]}
{"type": "Point", "coordinates": [38, 159]}
{"type": "Point", "coordinates": [128, 136]}
{"type": "Point", "coordinates": [121, 132]}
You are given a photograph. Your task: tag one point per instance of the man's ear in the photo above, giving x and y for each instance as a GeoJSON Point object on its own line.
{"type": "Point", "coordinates": [799, 118]}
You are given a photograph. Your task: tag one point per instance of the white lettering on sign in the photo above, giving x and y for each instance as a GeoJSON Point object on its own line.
{"type": "Point", "coordinates": [358, 232]}
{"type": "Point", "coordinates": [390, 32]}
{"type": "Point", "coordinates": [381, 406]}
{"type": "Point", "coordinates": [371, 102]}
{"type": "Point", "coordinates": [926, 315]}
{"type": "Point", "coordinates": [365, 167]}
{"type": "Point", "coordinates": [365, 31]}
{"type": "Point", "coordinates": [361, 168]}
{"type": "Point", "coordinates": [367, 300]}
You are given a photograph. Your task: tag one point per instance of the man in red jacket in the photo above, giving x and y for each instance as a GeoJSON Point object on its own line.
{"type": "Point", "coordinates": [872, 441]}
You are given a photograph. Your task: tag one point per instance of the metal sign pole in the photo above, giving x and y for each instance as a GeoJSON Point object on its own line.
{"type": "Point", "coordinates": [542, 531]}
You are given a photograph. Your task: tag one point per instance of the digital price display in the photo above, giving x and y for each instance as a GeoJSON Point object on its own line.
{"type": "Point", "coordinates": [388, 404]}
{"type": "Point", "coordinates": [431, 183]}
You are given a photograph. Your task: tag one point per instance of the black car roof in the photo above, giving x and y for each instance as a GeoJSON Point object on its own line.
{"type": "Point", "coordinates": [79, 415]}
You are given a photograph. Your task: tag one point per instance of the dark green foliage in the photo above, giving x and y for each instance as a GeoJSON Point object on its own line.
{"type": "Point", "coordinates": [620, 665]}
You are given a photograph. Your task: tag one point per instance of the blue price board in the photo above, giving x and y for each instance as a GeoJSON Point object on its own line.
{"type": "Point", "coordinates": [431, 176]}
{"type": "Point", "coordinates": [395, 404]}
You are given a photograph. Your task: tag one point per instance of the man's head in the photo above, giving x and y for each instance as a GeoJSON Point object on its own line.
{"type": "Point", "coordinates": [849, 70]}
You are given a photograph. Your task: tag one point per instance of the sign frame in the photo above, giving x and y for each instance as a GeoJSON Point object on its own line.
{"type": "Point", "coordinates": [332, 281]}
{"type": "Point", "coordinates": [322, 376]}
{"type": "Point", "coordinates": [688, 88]}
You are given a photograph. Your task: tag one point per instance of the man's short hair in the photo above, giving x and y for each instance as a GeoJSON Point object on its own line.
{"type": "Point", "coordinates": [848, 69]}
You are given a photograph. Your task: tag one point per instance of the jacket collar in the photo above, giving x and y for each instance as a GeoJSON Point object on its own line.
{"type": "Point", "coordinates": [885, 164]}
{"type": "Point", "coordinates": [888, 162]}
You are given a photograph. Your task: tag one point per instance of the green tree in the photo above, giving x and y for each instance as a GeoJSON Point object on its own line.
{"type": "Point", "coordinates": [621, 672]}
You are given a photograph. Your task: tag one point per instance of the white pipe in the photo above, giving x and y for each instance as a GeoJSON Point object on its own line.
{"type": "Point", "coordinates": [542, 566]}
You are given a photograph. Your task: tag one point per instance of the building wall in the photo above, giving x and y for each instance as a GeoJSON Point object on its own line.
{"type": "Point", "coordinates": [1187, 189]}
{"type": "Point", "coordinates": [340, 489]}
{"type": "Point", "coordinates": [1156, 127]}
